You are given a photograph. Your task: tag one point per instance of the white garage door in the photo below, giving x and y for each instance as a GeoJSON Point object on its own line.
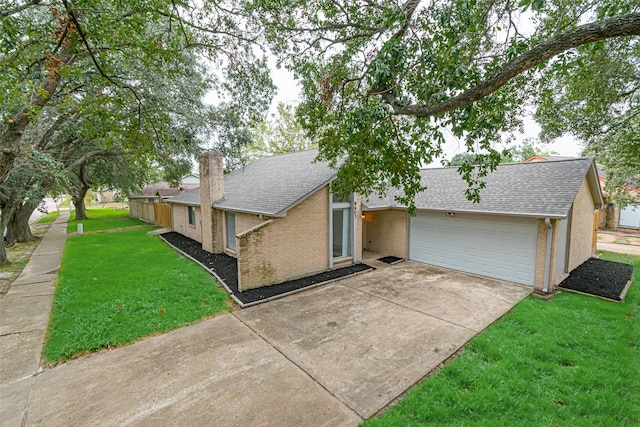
{"type": "Point", "coordinates": [630, 216]}
{"type": "Point", "coordinates": [500, 248]}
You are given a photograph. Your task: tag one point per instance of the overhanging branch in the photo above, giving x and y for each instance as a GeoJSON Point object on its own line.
{"type": "Point", "coordinates": [620, 26]}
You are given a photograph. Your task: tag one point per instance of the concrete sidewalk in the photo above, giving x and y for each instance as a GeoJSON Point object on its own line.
{"type": "Point", "coordinates": [24, 317]}
{"type": "Point", "coordinates": [619, 248]}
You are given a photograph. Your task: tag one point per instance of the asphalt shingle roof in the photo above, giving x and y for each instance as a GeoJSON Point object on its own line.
{"type": "Point", "coordinates": [530, 189]}
{"type": "Point", "coordinates": [151, 190]}
{"type": "Point", "coordinates": [189, 197]}
{"type": "Point", "coordinates": [272, 185]}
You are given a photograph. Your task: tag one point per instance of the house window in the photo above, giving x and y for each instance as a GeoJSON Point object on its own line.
{"type": "Point", "coordinates": [341, 227]}
{"type": "Point", "coordinates": [192, 215]}
{"type": "Point", "coordinates": [230, 221]}
{"type": "Point", "coordinates": [341, 233]}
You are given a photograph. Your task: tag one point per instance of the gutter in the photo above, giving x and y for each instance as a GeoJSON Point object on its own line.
{"type": "Point", "coordinates": [547, 258]}
{"type": "Point", "coordinates": [472, 211]}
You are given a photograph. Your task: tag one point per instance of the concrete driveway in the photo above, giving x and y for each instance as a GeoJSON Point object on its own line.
{"type": "Point", "coordinates": [329, 356]}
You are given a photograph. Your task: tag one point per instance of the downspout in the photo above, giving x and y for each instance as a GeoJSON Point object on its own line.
{"type": "Point", "coordinates": [354, 223]}
{"type": "Point", "coordinates": [330, 231]}
{"type": "Point", "coordinates": [547, 258]}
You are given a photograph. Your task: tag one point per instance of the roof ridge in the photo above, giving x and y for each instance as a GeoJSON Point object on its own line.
{"type": "Point", "coordinates": [516, 163]}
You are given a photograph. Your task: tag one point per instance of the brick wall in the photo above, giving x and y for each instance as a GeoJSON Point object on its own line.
{"type": "Point", "coordinates": [580, 240]}
{"type": "Point", "coordinates": [541, 251]}
{"type": "Point", "coordinates": [211, 189]}
{"type": "Point", "coordinates": [181, 222]}
{"type": "Point", "coordinates": [244, 222]}
{"type": "Point", "coordinates": [385, 232]}
{"type": "Point", "coordinates": [581, 227]}
{"type": "Point", "coordinates": [286, 248]}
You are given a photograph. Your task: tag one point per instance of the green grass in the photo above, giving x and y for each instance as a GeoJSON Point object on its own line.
{"type": "Point", "coordinates": [572, 361]}
{"type": "Point", "coordinates": [115, 288]}
{"type": "Point", "coordinates": [104, 219]}
{"type": "Point", "coordinates": [50, 217]}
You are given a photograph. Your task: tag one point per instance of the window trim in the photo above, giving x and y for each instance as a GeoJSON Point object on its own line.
{"type": "Point", "coordinates": [191, 214]}
{"type": "Point", "coordinates": [227, 216]}
{"type": "Point", "coordinates": [333, 206]}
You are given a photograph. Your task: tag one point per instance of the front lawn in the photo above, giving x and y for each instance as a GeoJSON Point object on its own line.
{"type": "Point", "coordinates": [117, 287]}
{"type": "Point", "coordinates": [50, 217]}
{"type": "Point", "coordinates": [572, 361]}
{"type": "Point", "coordinates": [104, 219]}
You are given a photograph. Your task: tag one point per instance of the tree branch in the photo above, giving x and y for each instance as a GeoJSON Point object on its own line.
{"type": "Point", "coordinates": [82, 160]}
{"type": "Point", "coordinates": [83, 37]}
{"type": "Point", "coordinates": [17, 9]}
{"type": "Point", "coordinates": [620, 26]}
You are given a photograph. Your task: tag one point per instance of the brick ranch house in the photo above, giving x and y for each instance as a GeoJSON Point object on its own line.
{"type": "Point", "coordinates": [535, 222]}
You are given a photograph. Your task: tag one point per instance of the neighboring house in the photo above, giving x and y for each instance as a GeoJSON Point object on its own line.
{"type": "Point", "coordinates": [276, 216]}
{"type": "Point", "coordinates": [191, 180]}
{"type": "Point", "coordinates": [142, 205]}
{"type": "Point", "coordinates": [105, 196]}
{"type": "Point", "coordinates": [610, 215]}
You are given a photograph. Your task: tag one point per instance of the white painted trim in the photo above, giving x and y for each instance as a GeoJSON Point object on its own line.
{"type": "Point", "coordinates": [330, 230]}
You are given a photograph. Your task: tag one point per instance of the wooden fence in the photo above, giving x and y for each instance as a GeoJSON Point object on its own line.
{"type": "Point", "coordinates": [162, 215]}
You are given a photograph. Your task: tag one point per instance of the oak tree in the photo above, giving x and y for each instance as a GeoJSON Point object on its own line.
{"type": "Point", "coordinates": [381, 80]}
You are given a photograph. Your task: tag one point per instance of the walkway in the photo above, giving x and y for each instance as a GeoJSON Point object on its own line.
{"type": "Point", "coordinates": [619, 241]}
{"type": "Point", "coordinates": [24, 316]}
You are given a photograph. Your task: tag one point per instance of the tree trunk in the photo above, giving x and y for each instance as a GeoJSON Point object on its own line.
{"type": "Point", "coordinates": [7, 212]}
{"type": "Point", "coordinates": [18, 229]}
{"type": "Point", "coordinates": [81, 212]}
{"type": "Point", "coordinates": [78, 202]}
{"type": "Point", "coordinates": [3, 253]}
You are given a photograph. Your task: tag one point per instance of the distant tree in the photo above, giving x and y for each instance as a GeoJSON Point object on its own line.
{"type": "Point", "coordinates": [462, 158]}
{"type": "Point", "coordinates": [278, 134]}
{"type": "Point", "coordinates": [529, 148]}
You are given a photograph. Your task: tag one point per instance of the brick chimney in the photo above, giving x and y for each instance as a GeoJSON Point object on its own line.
{"type": "Point", "coordinates": [211, 190]}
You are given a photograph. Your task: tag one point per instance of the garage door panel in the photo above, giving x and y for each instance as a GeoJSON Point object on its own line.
{"type": "Point", "coordinates": [630, 216]}
{"type": "Point", "coordinates": [500, 248]}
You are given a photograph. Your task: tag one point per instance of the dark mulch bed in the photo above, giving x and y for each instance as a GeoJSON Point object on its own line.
{"type": "Point", "coordinates": [226, 268]}
{"type": "Point", "coordinates": [260, 294]}
{"type": "Point", "coordinates": [390, 259]}
{"type": "Point", "coordinates": [598, 277]}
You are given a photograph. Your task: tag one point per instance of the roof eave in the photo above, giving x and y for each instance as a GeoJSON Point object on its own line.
{"type": "Point", "coordinates": [181, 202]}
{"type": "Point", "coordinates": [479, 212]}
{"type": "Point", "coordinates": [594, 185]}
{"type": "Point", "coordinates": [284, 211]}
{"type": "Point", "coordinates": [250, 212]}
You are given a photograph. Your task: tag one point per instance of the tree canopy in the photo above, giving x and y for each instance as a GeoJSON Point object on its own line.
{"type": "Point", "coordinates": [102, 90]}
{"type": "Point", "coordinates": [596, 99]}
{"type": "Point", "coordinates": [381, 80]}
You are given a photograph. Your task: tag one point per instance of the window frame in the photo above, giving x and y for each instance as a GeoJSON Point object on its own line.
{"type": "Point", "coordinates": [230, 234]}
{"type": "Point", "coordinates": [191, 215]}
{"type": "Point", "coordinates": [346, 204]}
